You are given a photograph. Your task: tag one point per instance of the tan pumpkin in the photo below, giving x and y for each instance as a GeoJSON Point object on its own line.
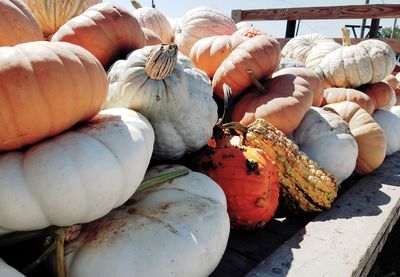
{"type": "Point", "coordinates": [154, 20]}
{"type": "Point", "coordinates": [380, 93]}
{"type": "Point", "coordinates": [371, 140]}
{"type": "Point", "coordinates": [254, 59]}
{"type": "Point", "coordinates": [107, 31]}
{"type": "Point", "coordinates": [308, 75]}
{"type": "Point", "coordinates": [392, 81]}
{"type": "Point", "coordinates": [337, 95]}
{"type": "Point", "coordinates": [151, 37]}
{"type": "Point", "coordinates": [199, 23]}
{"type": "Point", "coordinates": [45, 89]}
{"type": "Point", "coordinates": [281, 101]}
{"type": "Point", "coordinates": [17, 24]}
{"type": "Point", "coordinates": [354, 65]}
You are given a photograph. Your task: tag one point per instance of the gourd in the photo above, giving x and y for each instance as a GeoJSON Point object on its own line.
{"type": "Point", "coordinates": [319, 51]}
{"type": "Point", "coordinates": [369, 135]}
{"type": "Point", "coordinates": [282, 101]}
{"type": "Point", "coordinates": [320, 135]}
{"type": "Point", "coordinates": [154, 20]}
{"type": "Point", "coordinates": [177, 228]}
{"type": "Point", "coordinates": [395, 110]}
{"type": "Point", "coordinates": [77, 176]}
{"type": "Point", "coordinates": [255, 58]}
{"type": "Point", "coordinates": [313, 79]}
{"type": "Point", "coordinates": [354, 65]}
{"type": "Point", "coordinates": [337, 95]}
{"type": "Point", "coordinates": [46, 88]}
{"type": "Point", "coordinates": [199, 23]}
{"type": "Point", "coordinates": [8, 271]}
{"type": "Point", "coordinates": [380, 93]}
{"type": "Point", "coordinates": [286, 62]}
{"type": "Point", "coordinates": [390, 123]}
{"type": "Point", "coordinates": [175, 96]}
{"type": "Point", "coordinates": [105, 30]}
{"type": "Point", "coordinates": [392, 81]}
{"type": "Point", "coordinates": [52, 14]}
{"type": "Point", "coordinates": [151, 37]}
{"type": "Point", "coordinates": [17, 24]}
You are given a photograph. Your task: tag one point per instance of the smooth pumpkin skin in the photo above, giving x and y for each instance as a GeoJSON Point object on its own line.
{"type": "Point", "coordinates": [17, 24]}
{"type": "Point", "coordinates": [160, 234]}
{"type": "Point", "coordinates": [105, 30]}
{"type": "Point", "coordinates": [6, 270]}
{"type": "Point", "coordinates": [337, 95]}
{"type": "Point", "coordinates": [371, 140]}
{"type": "Point", "coordinates": [392, 81]}
{"type": "Point", "coordinates": [285, 102]}
{"type": "Point", "coordinates": [46, 88]}
{"type": "Point", "coordinates": [261, 54]}
{"type": "Point", "coordinates": [77, 176]}
{"type": "Point", "coordinates": [310, 76]}
{"type": "Point", "coordinates": [380, 93]}
{"type": "Point", "coordinates": [390, 123]}
{"type": "Point", "coordinates": [151, 37]}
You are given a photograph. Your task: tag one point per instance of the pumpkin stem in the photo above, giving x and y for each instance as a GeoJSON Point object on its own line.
{"type": "Point", "coordinates": [255, 82]}
{"type": "Point", "coordinates": [60, 263]}
{"type": "Point", "coordinates": [157, 180]}
{"type": "Point", "coordinates": [238, 127]}
{"type": "Point", "coordinates": [161, 61]}
{"type": "Point", "coordinates": [136, 4]}
{"type": "Point", "coordinates": [346, 37]}
{"type": "Point", "coordinates": [228, 105]}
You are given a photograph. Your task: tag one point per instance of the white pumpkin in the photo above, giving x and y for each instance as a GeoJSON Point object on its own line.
{"type": "Point", "coordinates": [77, 176]}
{"type": "Point", "coordinates": [178, 104]}
{"type": "Point", "coordinates": [8, 271]}
{"type": "Point", "coordinates": [319, 51]}
{"type": "Point", "coordinates": [287, 62]}
{"type": "Point", "coordinates": [325, 137]}
{"type": "Point", "coordinates": [199, 23]}
{"type": "Point", "coordinates": [177, 228]}
{"type": "Point", "coordinates": [390, 123]}
{"type": "Point", "coordinates": [395, 110]}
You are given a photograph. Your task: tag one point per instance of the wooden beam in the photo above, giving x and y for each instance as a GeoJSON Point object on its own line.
{"type": "Point", "coordinates": [290, 28]}
{"type": "Point", "coordinates": [329, 12]}
{"type": "Point", "coordinates": [345, 240]}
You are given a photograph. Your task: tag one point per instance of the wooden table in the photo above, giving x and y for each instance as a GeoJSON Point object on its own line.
{"type": "Point", "coordinates": [343, 241]}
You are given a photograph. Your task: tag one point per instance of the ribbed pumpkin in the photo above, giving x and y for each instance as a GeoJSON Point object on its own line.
{"type": "Point", "coordinates": [107, 31]}
{"type": "Point", "coordinates": [390, 123]}
{"type": "Point", "coordinates": [282, 101]}
{"type": "Point", "coordinates": [248, 178]}
{"type": "Point", "coordinates": [255, 58]}
{"type": "Point", "coordinates": [310, 77]}
{"type": "Point", "coordinates": [337, 95]}
{"type": "Point", "coordinates": [199, 23]}
{"type": "Point", "coordinates": [151, 37]}
{"type": "Point", "coordinates": [380, 93]}
{"type": "Point", "coordinates": [287, 62]}
{"type": "Point", "coordinates": [45, 89]}
{"type": "Point", "coordinates": [52, 14]}
{"type": "Point", "coordinates": [392, 81]}
{"type": "Point", "coordinates": [17, 24]}
{"type": "Point", "coordinates": [369, 135]}
{"type": "Point", "coordinates": [319, 51]}
{"type": "Point", "coordinates": [154, 20]}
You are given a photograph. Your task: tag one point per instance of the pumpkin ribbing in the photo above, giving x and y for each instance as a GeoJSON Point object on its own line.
{"type": "Point", "coordinates": [161, 61]}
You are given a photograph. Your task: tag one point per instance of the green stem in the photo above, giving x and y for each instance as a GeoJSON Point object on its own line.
{"type": "Point", "coordinates": [154, 181]}
{"type": "Point", "coordinates": [255, 82]}
{"type": "Point", "coordinates": [50, 248]}
{"type": "Point", "coordinates": [60, 264]}
{"type": "Point", "coordinates": [236, 126]}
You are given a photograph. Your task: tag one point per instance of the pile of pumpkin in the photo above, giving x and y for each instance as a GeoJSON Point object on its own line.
{"type": "Point", "coordinates": [97, 115]}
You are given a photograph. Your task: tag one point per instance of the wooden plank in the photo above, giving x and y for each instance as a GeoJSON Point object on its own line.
{"type": "Point", "coordinates": [329, 12]}
{"type": "Point", "coordinates": [344, 240]}
{"type": "Point", "coordinates": [236, 15]}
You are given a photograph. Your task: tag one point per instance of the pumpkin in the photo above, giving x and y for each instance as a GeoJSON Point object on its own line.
{"type": "Point", "coordinates": [395, 110]}
{"type": "Point", "coordinates": [354, 65]}
{"type": "Point", "coordinates": [380, 93]}
{"type": "Point", "coordinates": [105, 30]}
{"type": "Point", "coordinates": [161, 232]}
{"type": "Point", "coordinates": [299, 47]}
{"type": "Point", "coordinates": [286, 62]}
{"type": "Point", "coordinates": [152, 19]}
{"type": "Point", "coordinates": [337, 95]}
{"type": "Point", "coordinates": [310, 77]}
{"type": "Point", "coordinates": [369, 135]}
{"type": "Point", "coordinates": [390, 123]}
{"type": "Point", "coordinates": [243, 25]}
{"type": "Point", "coordinates": [199, 23]}
{"type": "Point", "coordinates": [326, 138]}
{"type": "Point", "coordinates": [77, 176]}
{"type": "Point", "coordinates": [255, 58]}
{"type": "Point", "coordinates": [282, 101]}
{"type": "Point", "coordinates": [319, 51]}
{"type": "Point", "coordinates": [151, 37]}
{"type": "Point", "coordinates": [392, 81]}
{"type": "Point", "coordinates": [174, 95]}
{"type": "Point", "coordinates": [8, 271]}
{"type": "Point", "coordinates": [52, 14]}
{"type": "Point", "coordinates": [17, 24]}
{"type": "Point", "coordinates": [45, 89]}
{"type": "Point", "coordinates": [248, 178]}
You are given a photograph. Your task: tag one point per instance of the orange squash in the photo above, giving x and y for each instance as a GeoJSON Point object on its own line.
{"type": "Point", "coordinates": [380, 93]}
{"type": "Point", "coordinates": [46, 87]}
{"type": "Point", "coordinates": [151, 37]}
{"type": "Point", "coordinates": [107, 31]}
{"type": "Point", "coordinates": [17, 24]}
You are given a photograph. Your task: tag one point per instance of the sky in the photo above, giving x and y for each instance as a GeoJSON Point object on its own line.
{"type": "Point", "coordinates": [174, 9]}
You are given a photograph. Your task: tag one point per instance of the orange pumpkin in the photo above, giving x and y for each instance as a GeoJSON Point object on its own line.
{"type": "Point", "coordinates": [255, 58]}
{"type": "Point", "coordinates": [46, 87]}
{"type": "Point", "coordinates": [17, 24]}
{"type": "Point", "coordinates": [105, 30]}
{"type": "Point", "coordinates": [151, 37]}
{"type": "Point", "coordinates": [380, 93]}
{"type": "Point", "coordinates": [281, 101]}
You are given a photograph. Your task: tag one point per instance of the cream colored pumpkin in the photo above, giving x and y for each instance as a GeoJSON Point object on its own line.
{"type": "Point", "coordinates": [325, 137]}
{"type": "Point", "coordinates": [176, 98]}
{"type": "Point", "coordinates": [395, 110]}
{"type": "Point", "coordinates": [319, 51]}
{"type": "Point", "coordinates": [390, 123]}
{"type": "Point", "coordinates": [199, 23]}
{"type": "Point", "coordinates": [77, 176]}
{"type": "Point", "coordinates": [178, 228]}
{"type": "Point", "coordinates": [8, 271]}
